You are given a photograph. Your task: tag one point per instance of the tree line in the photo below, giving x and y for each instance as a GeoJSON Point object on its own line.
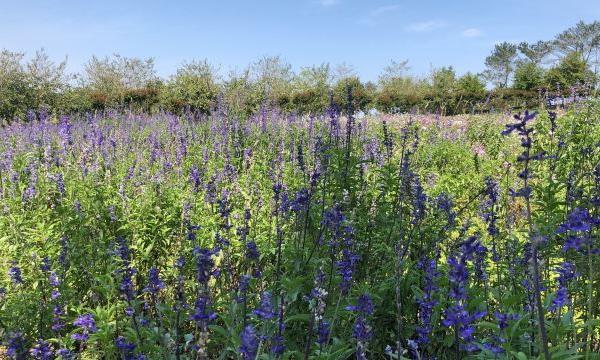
{"type": "Point", "coordinates": [521, 75]}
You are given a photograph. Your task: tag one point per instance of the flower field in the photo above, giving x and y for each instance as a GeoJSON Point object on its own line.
{"type": "Point", "coordinates": [133, 236]}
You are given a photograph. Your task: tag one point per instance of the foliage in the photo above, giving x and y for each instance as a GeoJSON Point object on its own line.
{"type": "Point", "coordinates": [571, 71]}
{"type": "Point", "coordinates": [536, 52]}
{"type": "Point", "coordinates": [528, 76]}
{"type": "Point", "coordinates": [128, 83]}
{"type": "Point", "coordinates": [360, 98]}
{"type": "Point", "coordinates": [582, 38]}
{"type": "Point", "coordinates": [131, 236]}
{"type": "Point", "coordinates": [500, 63]}
{"type": "Point", "coordinates": [194, 87]}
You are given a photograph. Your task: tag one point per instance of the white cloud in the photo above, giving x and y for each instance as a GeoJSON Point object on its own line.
{"type": "Point", "coordinates": [384, 10]}
{"type": "Point", "coordinates": [426, 26]}
{"type": "Point", "coordinates": [472, 33]}
{"type": "Point", "coordinates": [328, 3]}
{"type": "Point", "coordinates": [374, 14]}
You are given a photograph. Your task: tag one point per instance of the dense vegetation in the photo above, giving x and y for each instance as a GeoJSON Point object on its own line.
{"type": "Point", "coordinates": [523, 75]}
{"type": "Point", "coordinates": [199, 236]}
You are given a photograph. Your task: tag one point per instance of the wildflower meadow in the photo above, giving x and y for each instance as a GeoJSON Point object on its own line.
{"type": "Point", "coordinates": [129, 235]}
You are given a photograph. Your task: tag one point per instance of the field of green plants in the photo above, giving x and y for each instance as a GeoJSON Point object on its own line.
{"type": "Point", "coordinates": [133, 236]}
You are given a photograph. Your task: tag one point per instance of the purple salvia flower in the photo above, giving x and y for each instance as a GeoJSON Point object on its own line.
{"type": "Point", "coordinates": [155, 284]}
{"type": "Point", "coordinates": [561, 298]}
{"type": "Point", "coordinates": [249, 343]}
{"type": "Point", "coordinates": [15, 348]}
{"type": "Point", "coordinates": [489, 206]}
{"type": "Point", "coordinates": [277, 347]}
{"type": "Point", "coordinates": [428, 301]}
{"type": "Point", "coordinates": [195, 178]}
{"type": "Point", "coordinates": [125, 347]}
{"type": "Point", "coordinates": [346, 267]}
{"type": "Point", "coordinates": [503, 319]}
{"type": "Point", "coordinates": [57, 318]}
{"type": "Point", "coordinates": [579, 220]}
{"type": "Point", "coordinates": [62, 256]}
{"type": "Point", "coordinates": [202, 313]}
{"type": "Point", "coordinates": [53, 279]}
{"type": "Point", "coordinates": [252, 252]}
{"type": "Point", "coordinates": [65, 131]}
{"type": "Point", "coordinates": [42, 350]}
{"type": "Point", "coordinates": [265, 309]}
{"type": "Point", "coordinates": [456, 315]}
{"type": "Point", "coordinates": [14, 272]}
{"type": "Point", "coordinates": [566, 273]}
{"type": "Point", "coordinates": [323, 329]}
{"type": "Point", "coordinates": [577, 226]}
{"type": "Point", "coordinates": [419, 200]}
{"type": "Point", "coordinates": [65, 354]}
{"type": "Point", "coordinates": [204, 264]}
{"type": "Point", "coordinates": [86, 324]}
{"type": "Point", "coordinates": [243, 285]}
{"type": "Point", "coordinates": [444, 204]}
{"type": "Point", "coordinates": [362, 331]}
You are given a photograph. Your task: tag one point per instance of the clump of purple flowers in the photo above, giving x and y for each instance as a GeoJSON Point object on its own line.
{"type": "Point", "coordinates": [16, 346]}
{"type": "Point", "coordinates": [265, 309]}
{"type": "Point", "coordinates": [127, 272]}
{"type": "Point", "coordinates": [427, 301]}
{"type": "Point", "coordinates": [127, 349]}
{"type": "Point", "coordinates": [317, 299]}
{"type": "Point", "coordinates": [252, 252]}
{"type": "Point", "coordinates": [42, 351]}
{"type": "Point", "coordinates": [494, 345]}
{"type": "Point", "coordinates": [520, 127]}
{"type": "Point", "coordinates": [205, 269]}
{"type": "Point", "coordinates": [87, 326]}
{"type": "Point", "coordinates": [457, 316]}
{"type": "Point", "coordinates": [14, 272]}
{"type": "Point", "coordinates": [566, 273]}
{"type": "Point", "coordinates": [202, 313]}
{"type": "Point", "coordinates": [361, 330]}
{"type": "Point", "coordinates": [155, 284]}
{"type": "Point", "coordinates": [577, 226]}
{"type": "Point", "coordinates": [249, 343]}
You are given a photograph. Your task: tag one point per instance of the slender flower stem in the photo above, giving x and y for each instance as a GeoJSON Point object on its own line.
{"type": "Point", "coordinates": [535, 266]}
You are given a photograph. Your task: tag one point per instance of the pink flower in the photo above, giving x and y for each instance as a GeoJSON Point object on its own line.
{"type": "Point", "coordinates": [478, 149]}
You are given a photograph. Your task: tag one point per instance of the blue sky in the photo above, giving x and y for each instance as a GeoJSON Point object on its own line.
{"type": "Point", "coordinates": [233, 33]}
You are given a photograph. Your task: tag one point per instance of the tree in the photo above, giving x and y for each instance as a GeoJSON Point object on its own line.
{"type": "Point", "coordinates": [500, 64]}
{"type": "Point", "coordinates": [401, 94]}
{"type": "Point", "coordinates": [311, 89]}
{"type": "Point", "coordinates": [443, 88]}
{"type": "Point", "coordinates": [15, 93]}
{"type": "Point", "coordinates": [114, 80]}
{"type": "Point", "coordinates": [271, 74]}
{"type": "Point", "coordinates": [470, 92]}
{"type": "Point", "coordinates": [30, 85]}
{"type": "Point", "coordinates": [240, 94]}
{"type": "Point", "coordinates": [47, 79]}
{"type": "Point", "coordinates": [470, 85]}
{"type": "Point", "coordinates": [443, 80]}
{"type": "Point", "coordinates": [343, 71]}
{"type": "Point", "coordinates": [362, 94]}
{"type": "Point", "coordinates": [535, 53]}
{"type": "Point", "coordinates": [394, 70]}
{"type": "Point", "coordinates": [314, 77]}
{"type": "Point", "coordinates": [582, 38]}
{"type": "Point", "coordinates": [195, 85]}
{"type": "Point", "coordinates": [571, 71]}
{"type": "Point", "coordinates": [528, 76]}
